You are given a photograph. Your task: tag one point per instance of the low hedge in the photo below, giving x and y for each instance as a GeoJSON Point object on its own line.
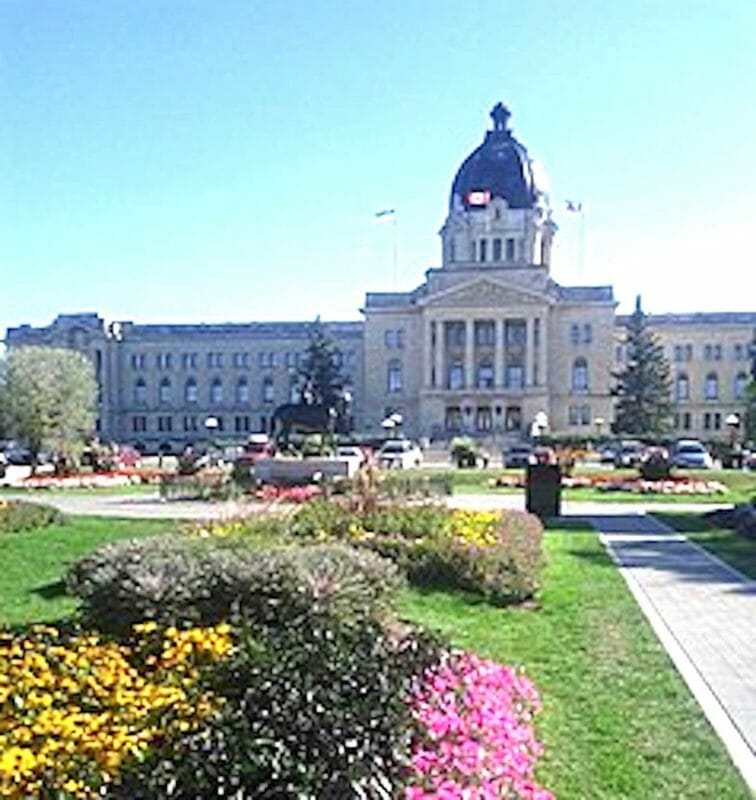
{"type": "Point", "coordinates": [178, 580]}
{"type": "Point", "coordinates": [20, 515]}
{"type": "Point", "coordinates": [313, 711]}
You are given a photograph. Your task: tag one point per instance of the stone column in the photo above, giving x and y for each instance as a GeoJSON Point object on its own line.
{"type": "Point", "coordinates": [498, 353]}
{"type": "Point", "coordinates": [529, 351]}
{"type": "Point", "coordinates": [469, 353]}
{"type": "Point", "coordinates": [439, 354]}
{"type": "Point", "coordinates": [427, 354]}
{"type": "Point", "coordinates": [544, 351]}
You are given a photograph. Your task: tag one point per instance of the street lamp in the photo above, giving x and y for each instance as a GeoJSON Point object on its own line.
{"type": "Point", "coordinates": [599, 423]}
{"type": "Point", "coordinates": [732, 421]}
{"type": "Point", "coordinates": [211, 426]}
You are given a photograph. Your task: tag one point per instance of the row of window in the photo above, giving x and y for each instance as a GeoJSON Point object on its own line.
{"type": "Point", "coordinates": [484, 333]}
{"type": "Point", "coordinates": [216, 391]}
{"type": "Point", "coordinates": [581, 334]}
{"type": "Point", "coordinates": [711, 421]}
{"type": "Point", "coordinates": [710, 387]}
{"type": "Point", "coordinates": [394, 338]}
{"type": "Point", "coordinates": [165, 423]}
{"type": "Point", "coordinates": [482, 418]}
{"type": "Point", "coordinates": [710, 352]}
{"type": "Point", "coordinates": [579, 415]}
{"type": "Point", "coordinates": [494, 249]}
{"type": "Point", "coordinates": [240, 360]}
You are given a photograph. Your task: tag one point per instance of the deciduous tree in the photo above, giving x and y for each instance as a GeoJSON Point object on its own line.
{"type": "Point", "coordinates": [47, 398]}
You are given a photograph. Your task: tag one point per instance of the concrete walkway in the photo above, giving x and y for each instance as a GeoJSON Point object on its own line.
{"type": "Point", "coordinates": [704, 613]}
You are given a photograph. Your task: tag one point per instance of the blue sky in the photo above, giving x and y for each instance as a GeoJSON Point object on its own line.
{"type": "Point", "coordinates": [187, 160]}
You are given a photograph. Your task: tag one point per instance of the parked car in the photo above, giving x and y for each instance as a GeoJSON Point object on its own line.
{"type": "Point", "coordinates": [400, 454]}
{"type": "Point", "coordinates": [692, 454]}
{"type": "Point", "coordinates": [517, 456]}
{"type": "Point", "coordinates": [608, 453]}
{"type": "Point", "coordinates": [353, 455]}
{"type": "Point", "coordinates": [629, 453]}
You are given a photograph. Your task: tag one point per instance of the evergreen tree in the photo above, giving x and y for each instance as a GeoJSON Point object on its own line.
{"type": "Point", "coordinates": [322, 382]}
{"type": "Point", "coordinates": [643, 388]}
{"type": "Point", "coordinates": [47, 399]}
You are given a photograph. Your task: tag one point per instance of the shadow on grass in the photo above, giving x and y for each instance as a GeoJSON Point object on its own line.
{"type": "Point", "coordinates": [50, 591]}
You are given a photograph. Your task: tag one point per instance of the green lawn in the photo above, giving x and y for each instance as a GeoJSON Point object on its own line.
{"type": "Point", "coordinates": [734, 549]}
{"type": "Point", "coordinates": [33, 563]}
{"type": "Point", "coordinates": [618, 722]}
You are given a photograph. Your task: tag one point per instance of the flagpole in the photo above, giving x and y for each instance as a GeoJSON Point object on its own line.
{"type": "Point", "coordinates": [391, 212]}
{"type": "Point", "coordinates": [582, 241]}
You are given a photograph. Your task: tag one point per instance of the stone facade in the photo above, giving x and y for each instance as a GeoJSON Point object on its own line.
{"type": "Point", "coordinates": [486, 345]}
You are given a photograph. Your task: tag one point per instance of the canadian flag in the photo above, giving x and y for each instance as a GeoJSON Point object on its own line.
{"type": "Point", "coordinates": [478, 197]}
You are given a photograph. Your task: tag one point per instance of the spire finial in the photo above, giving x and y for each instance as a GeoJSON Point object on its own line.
{"type": "Point", "coordinates": [500, 116]}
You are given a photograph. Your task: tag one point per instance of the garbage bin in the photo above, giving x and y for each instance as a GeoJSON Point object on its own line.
{"type": "Point", "coordinates": [543, 490]}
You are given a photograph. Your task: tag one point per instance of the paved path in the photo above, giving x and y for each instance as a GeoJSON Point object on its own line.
{"type": "Point", "coordinates": [704, 613]}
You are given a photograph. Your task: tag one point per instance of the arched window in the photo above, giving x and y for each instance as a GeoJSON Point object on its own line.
{"type": "Point", "coordinates": [164, 391]}
{"type": "Point", "coordinates": [485, 375]}
{"type": "Point", "coordinates": [394, 376]}
{"type": "Point", "coordinates": [682, 388]}
{"type": "Point", "coordinates": [579, 375]}
{"type": "Point", "coordinates": [741, 381]}
{"type": "Point", "coordinates": [711, 387]}
{"type": "Point", "coordinates": [242, 391]}
{"type": "Point", "coordinates": [268, 390]}
{"type": "Point", "coordinates": [456, 375]}
{"type": "Point", "coordinates": [216, 391]}
{"type": "Point", "coordinates": [190, 391]}
{"type": "Point", "coordinates": [140, 392]}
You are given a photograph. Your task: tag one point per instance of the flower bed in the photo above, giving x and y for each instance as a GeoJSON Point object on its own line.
{"type": "Point", "coordinates": [73, 708]}
{"type": "Point", "coordinates": [474, 736]}
{"type": "Point", "coordinates": [682, 485]}
{"type": "Point", "coordinates": [93, 480]}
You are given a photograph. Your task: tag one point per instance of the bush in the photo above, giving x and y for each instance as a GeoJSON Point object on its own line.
{"type": "Point", "coordinates": [177, 580]}
{"type": "Point", "coordinates": [18, 515]}
{"type": "Point", "coordinates": [315, 710]}
{"type": "Point", "coordinates": [497, 555]}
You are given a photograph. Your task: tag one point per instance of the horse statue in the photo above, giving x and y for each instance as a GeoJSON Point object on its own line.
{"type": "Point", "coordinates": [302, 418]}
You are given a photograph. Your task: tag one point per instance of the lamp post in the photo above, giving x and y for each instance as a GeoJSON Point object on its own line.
{"type": "Point", "coordinates": [211, 426]}
{"type": "Point", "coordinates": [732, 421]}
{"type": "Point", "coordinates": [599, 423]}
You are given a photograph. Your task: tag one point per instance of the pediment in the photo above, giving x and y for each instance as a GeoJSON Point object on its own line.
{"type": "Point", "coordinates": [484, 293]}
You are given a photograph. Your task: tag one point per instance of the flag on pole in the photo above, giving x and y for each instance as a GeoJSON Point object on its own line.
{"type": "Point", "coordinates": [387, 212]}
{"type": "Point", "coordinates": [574, 206]}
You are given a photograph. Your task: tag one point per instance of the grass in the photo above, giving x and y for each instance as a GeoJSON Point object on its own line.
{"type": "Point", "coordinates": [618, 722]}
{"type": "Point", "coordinates": [34, 563]}
{"type": "Point", "coordinates": [734, 549]}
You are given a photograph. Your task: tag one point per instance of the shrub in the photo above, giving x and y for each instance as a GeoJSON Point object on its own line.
{"type": "Point", "coordinates": [177, 580]}
{"type": "Point", "coordinates": [315, 710]}
{"type": "Point", "coordinates": [18, 515]}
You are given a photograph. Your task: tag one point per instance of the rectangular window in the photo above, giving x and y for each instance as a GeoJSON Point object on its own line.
{"type": "Point", "coordinates": [678, 352]}
{"type": "Point", "coordinates": [483, 419]}
{"type": "Point", "coordinates": [453, 418]}
{"type": "Point", "coordinates": [686, 421]}
{"type": "Point", "coordinates": [688, 352]}
{"type": "Point", "coordinates": [190, 423]}
{"type": "Point", "coordinates": [585, 415]}
{"type": "Point", "coordinates": [484, 333]}
{"type": "Point", "coordinates": [738, 352]}
{"type": "Point", "coordinates": [510, 252]}
{"type": "Point", "coordinates": [513, 418]}
{"type": "Point", "coordinates": [707, 352]}
{"type": "Point", "coordinates": [717, 421]}
{"type": "Point", "coordinates": [515, 331]}
{"type": "Point", "coordinates": [707, 421]}
{"type": "Point", "coordinates": [472, 250]}
{"type": "Point", "coordinates": [496, 250]}
{"type": "Point", "coordinates": [241, 424]}
{"type": "Point", "coordinates": [165, 424]}
{"type": "Point", "coordinates": [575, 333]}
{"type": "Point", "coordinates": [587, 333]}
{"type": "Point", "coordinates": [483, 249]}
{"type": "Point", "coordinates": [400, 338]}
{"type": "Point", "coordinates": [515, 376]}
{"type": "Point", "coordinates": [389, 338]}
{"type": "Point", "coordinates": [717, 352]}
{"type": "Point", "coordinates": [572, 415]}
{"type": "Point", "coordinates": [139, 424]}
